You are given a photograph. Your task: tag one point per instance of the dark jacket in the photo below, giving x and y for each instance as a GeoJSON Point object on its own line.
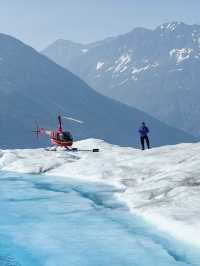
{"type": "Point", "coordinates": [143, 130]}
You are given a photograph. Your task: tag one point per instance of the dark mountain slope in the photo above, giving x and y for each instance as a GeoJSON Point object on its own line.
{"type": "Point", "coordinates": [157, 71]}
{"type": "Point", "coordinates": [34, 88]}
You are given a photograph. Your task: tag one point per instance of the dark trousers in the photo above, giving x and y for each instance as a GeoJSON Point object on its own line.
{"type": "Point", "coordinates": [143, 139]}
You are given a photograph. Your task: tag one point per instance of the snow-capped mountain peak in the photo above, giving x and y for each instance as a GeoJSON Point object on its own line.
{"type": "Point", "coordinates": [162, 65]}
{"type": "Point", "coordinates": [171, 26]}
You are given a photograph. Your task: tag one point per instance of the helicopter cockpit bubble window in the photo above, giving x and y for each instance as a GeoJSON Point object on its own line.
{"type": "Point", "coordinates": [67, 136]}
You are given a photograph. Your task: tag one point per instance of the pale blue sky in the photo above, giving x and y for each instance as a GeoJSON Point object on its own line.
{"type": "Point", "coordinates": [40, 22]}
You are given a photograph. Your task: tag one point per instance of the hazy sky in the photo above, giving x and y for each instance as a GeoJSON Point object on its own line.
{"type": "Point", "coordinates": [40, 22]}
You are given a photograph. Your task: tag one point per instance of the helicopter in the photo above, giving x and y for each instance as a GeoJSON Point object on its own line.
{"type": "Point", "coordinates": [60, 137]}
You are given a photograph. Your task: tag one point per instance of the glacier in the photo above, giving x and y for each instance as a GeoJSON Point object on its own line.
{"type": "Point", "coordinates": [48, 221]}
{"type": "Point", "coordinates": [160, 186]}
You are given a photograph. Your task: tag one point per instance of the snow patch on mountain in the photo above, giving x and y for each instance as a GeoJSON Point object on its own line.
{"type": "Point", "coordinates": [177, 46]}
{"type": "Point", "coordinates": [123, 82]}
{"type": "Point", "coordinates": [169, 26]}
{"type": "Point", "coordinates": [134, 78]}
{"type": "Point", "coordinates": [176, 70]}
{"type": "Point", "coordinates": [172, 26]}
{"type": "Point", "coordinates": [122, 63]}
{"type": "Point", "coordinates": [109, 69]}
{"type": "Point", "coordinates": [162, 184]}
{"type": "Point", "coordinates": [84, 50]}
{"type": "Point", "coordinates": [138, 70]}
{"type": "Point", "coordinates": [99, 65]}
{"type": "Point", "coordinates": [181, 54]}
{"type": "Point", "coordinates": [141, 69]}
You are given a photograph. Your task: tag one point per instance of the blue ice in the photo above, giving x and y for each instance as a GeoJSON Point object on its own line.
{"type": "Point", "coordinates": [51, 221]}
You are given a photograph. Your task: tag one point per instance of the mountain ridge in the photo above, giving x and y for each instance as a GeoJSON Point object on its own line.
{"type": "Point", "coordinates": [33, 88]}
{"type": "Point", "coordinates": [162, 64]}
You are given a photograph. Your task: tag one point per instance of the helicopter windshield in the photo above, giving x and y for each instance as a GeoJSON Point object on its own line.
{"type": "Point", "coordinates": [66, 136]}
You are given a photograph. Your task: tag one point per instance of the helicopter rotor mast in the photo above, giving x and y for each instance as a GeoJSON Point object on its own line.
{"type": "Point", "coordinates": [60, 124]}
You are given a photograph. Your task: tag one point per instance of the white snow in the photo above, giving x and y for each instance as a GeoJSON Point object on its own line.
{"type": "Point", "coordinates": [134, 78]}
{"type": "Point", "coordinates": [181, 54]}
{"type": "Point", "coordinates": [99, 65]}
{"type": "Point", "coordinates": [84, 50]}
{"type": "Point", "coordinates": [123, 69]}
{"type": "Point", "coordinates": [138, 70]}
{"type": "Point", "coordinates": [123, 82]}
{"type": "Point", "coordinates": [141, 69]}
{"type": "Point", "coordinates": [176, 70]}
{"type": "Point", "coordinates": [109, 69]}
{"type": "Point", "coordinates": [122, 63]}
{"type": "Point", "coordinates": [169, 26]}
{"type": "Point", "coordinates": [162, 184]}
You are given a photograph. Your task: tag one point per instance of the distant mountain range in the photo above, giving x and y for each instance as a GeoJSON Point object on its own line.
{"type": "Point", "coordinates": [157, 71]}
{"type": "Point", "coordinates": [33, 88]}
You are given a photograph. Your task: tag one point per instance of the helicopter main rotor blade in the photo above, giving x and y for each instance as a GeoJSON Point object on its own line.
{"type": "Point", "coordinates": [72, 119]}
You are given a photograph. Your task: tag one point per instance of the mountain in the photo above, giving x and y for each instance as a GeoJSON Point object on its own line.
{"type": "Point", "coordinates": [157, 71]}
{"type": "Point", "coordinates": [33, 88]}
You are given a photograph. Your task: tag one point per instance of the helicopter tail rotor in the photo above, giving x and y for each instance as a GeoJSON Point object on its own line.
{"type": "Point", "coordinates": [37, 131]}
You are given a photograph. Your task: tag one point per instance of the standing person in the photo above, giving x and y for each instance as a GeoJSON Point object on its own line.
{"type": "Point", "coordinates": [143, 130]}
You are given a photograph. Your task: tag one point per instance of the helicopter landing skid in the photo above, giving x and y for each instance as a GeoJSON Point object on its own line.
{"type": "Point", "coordinates": [54, 148]}
{"type": "Point", "coordinates": [89, 150]}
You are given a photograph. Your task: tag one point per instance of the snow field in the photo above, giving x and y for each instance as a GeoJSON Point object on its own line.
{"type": "Point", "coordinates": [162, 185]}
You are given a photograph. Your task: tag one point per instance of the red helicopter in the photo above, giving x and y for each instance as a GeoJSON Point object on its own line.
{"type": "Point", "coordinates": [60, 138]}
